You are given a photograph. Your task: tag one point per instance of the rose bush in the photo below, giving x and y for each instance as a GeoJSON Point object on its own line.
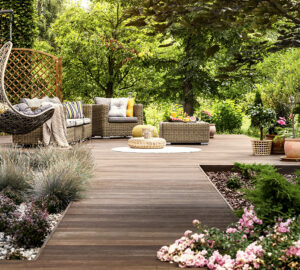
{"type": "Point", "coordinates": [244, 245]}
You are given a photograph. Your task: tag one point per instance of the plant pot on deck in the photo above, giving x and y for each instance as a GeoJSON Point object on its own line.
{"type": "Point", "coordinates": [212, 130]}
{"type": "Point", "coordinates": [292, 147]}
{"type": "Point", "coordinates": [261, 148]}
{"type": "Point", "coordinates": [277, 145]}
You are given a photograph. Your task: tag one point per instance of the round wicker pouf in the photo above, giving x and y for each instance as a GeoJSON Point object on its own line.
{"type": "Point", "coordinates": [141, 143]}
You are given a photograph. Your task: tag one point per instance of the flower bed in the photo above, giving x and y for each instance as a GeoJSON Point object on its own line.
{"type": "Point", "coordinates": [245, 245]}
{"type": "Point", "coordinates": [256, 241]}
{"type": "Point", "coordinates": [35, 188]}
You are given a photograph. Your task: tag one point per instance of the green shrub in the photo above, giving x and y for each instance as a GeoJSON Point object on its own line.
{"type": "Point", "coordinates": [14, 195]}
{"type": "Point", "coordinates": [30, 229]}
{"type": "Point", "coordinates": [273, 196]}
{"type": "Point", "coordinates": [234, 183]}
{"type": "Point", "coordinates": [250, 170]}
{"type": "Point", "coordinates": [52, 203]}
{"type": "Point", "coordinates": [297, 179]}
{"type": "Point", "coordinates": [227, 117]}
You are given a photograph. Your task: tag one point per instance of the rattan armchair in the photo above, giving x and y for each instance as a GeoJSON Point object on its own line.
{"type": "Point", "coordinates": [102, 127]}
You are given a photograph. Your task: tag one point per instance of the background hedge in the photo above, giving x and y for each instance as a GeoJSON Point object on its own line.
{"type": "Point", "coordinates": [25, 22]}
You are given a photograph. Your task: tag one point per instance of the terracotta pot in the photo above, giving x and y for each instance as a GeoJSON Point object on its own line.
{"type": "Point", "coordinates": [212, 130]}
{"type": "Point", "coordinates": [292, 148]}
{"type": "Point", "coordinates": [277, 146]}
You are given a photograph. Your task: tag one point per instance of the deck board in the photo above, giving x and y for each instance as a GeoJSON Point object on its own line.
{"type": "Point", "coordinates": [138, 202]}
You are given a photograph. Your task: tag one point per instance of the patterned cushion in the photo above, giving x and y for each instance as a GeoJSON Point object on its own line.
{"type": "Point", "coordinates": [118, 107]}
{"type": "Point", "coordinates": [74, 110]}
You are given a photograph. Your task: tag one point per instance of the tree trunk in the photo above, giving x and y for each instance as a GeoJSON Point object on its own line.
{"type": "Point", "coordinates": [188, 95]}
{"type": "Point", "coordinates": [261, 133]}
{"type": "Point", "coordinates": [109, 91]}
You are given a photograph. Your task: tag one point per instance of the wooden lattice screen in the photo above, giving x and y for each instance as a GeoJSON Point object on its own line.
{"type": "Point", "coordinates": [32, 73]}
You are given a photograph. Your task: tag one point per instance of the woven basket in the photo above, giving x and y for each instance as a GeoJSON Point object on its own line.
{"type": "Point", "coordinates": [261, 148]}
{"type": "Point", "coordinates": [141, 143]}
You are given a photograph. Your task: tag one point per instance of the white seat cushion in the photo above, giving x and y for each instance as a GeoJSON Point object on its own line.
{"type": "Point", "coordinates": [71, 123]}
{"type": "Point", "coordinates": [86, 121]}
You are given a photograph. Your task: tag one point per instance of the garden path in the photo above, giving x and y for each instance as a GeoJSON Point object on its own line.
{"type": "Point", "coordinates": [138, 202]}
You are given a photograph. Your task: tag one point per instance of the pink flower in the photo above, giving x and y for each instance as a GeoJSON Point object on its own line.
{"type": "Point", "coordinates": [208, 113]}
{"type": "Point", "coordinates": [231, 230]}
{"type": "Point", "coordinates": [294, 250]}
{"type": "Point", "coordinates": [291, 116]}
{"type": "Point", "coordinates": [187, 233]}
{"type": "Point", "coordinates": [283, 227]}
{"type": "Point", "coordinates": [281, 122]}
{"type": "Point", "coordinates": [196, 222]}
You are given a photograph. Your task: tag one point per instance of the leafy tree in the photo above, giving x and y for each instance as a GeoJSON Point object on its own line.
{"type": "Point", "coordinates": [99, 52]}
{"type": "Point", "coordinates": [47, 11]}
{"type": "Point", "coordinates": [256, 27]}
{"type": "Point", "coordinates": [279, 79]}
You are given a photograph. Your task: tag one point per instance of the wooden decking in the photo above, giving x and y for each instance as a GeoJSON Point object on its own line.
{"type": "Point", "coordinates": [137, 203]}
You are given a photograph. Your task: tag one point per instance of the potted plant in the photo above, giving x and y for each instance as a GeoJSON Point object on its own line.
{"type": "Point", "coordinates": [277, 142]}
{"type": "Point", "coordinates": [261, 118]}
{"type": "Point", "coordinates": [292, 141]}
{"type": "Point", "coordinates": [206, 116]}
{"type": "Point", "coordinates": [291, 133]}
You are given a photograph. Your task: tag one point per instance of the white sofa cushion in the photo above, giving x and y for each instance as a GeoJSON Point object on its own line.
{"type": "Point", "coordinates": [75, 122]}
{"type": "Point", "coordinates": [86, 121]}
{"type": "Point", "coordinates": [118, 107]}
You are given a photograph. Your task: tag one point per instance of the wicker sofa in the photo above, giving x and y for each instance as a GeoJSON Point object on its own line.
{"type": "Point", "coordinates": [102, 126]}
{"type": "Point", "coordinates": [74, 134]}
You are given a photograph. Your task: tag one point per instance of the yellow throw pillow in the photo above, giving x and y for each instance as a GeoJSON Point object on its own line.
{"type": "Point", "coordinates": [137, 131]}
{"type": "Point", "coordinates": [129, 112]}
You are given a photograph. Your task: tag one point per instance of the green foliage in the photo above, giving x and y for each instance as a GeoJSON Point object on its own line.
{"type": "Point", "coordinates": [234, 183]}
{"type": "Point", "coordinates": [257, 99]}
{"type": "Point", "coordinates": [249, 171]}
{"type": "Point", "coordinates": [279, 79]}
{"type": "Point", "coordinates": [24, 28]}
{"type": "Point", "coordinates": [156, 113]}
{"type": "Point", "coordinates": [103, 56]}
{"type": "Point", "coordinates": [47, 11]}
{"type": "Point", "coordinates": [14, 195]}
{"type": "Point", "coordinates": [273, 196]}
{"type": "Point", "coordinates": [260, 117]}
{"type": "Point", "coordinates": [227, 116]}
{"type": "Point", "coordinates": [206, 116]}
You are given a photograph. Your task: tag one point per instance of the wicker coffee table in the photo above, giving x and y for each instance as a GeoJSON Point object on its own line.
{"type": "Point", "coordinates": [153, 143]}
{"type": "Point", "coordinates": [184, 132]}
